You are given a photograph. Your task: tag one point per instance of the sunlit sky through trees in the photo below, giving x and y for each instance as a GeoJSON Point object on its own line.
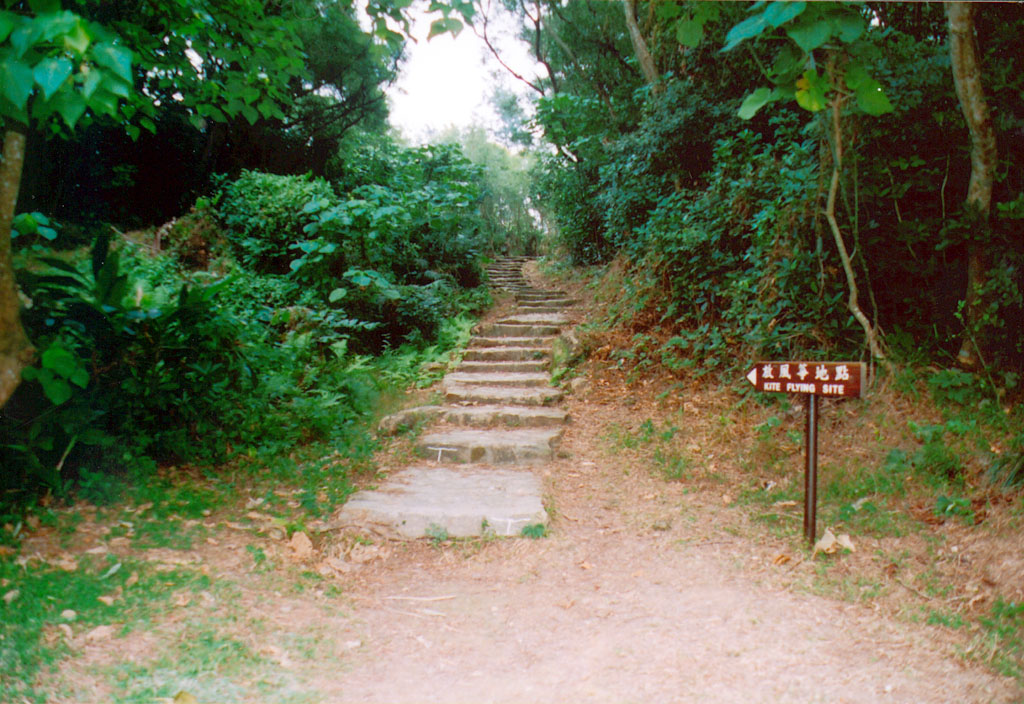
{"type": "Point", "coordinates": [449, 81]}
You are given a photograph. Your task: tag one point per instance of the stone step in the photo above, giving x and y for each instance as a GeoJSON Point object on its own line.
{"type": "Point", "coordinates": [502, 366]}
{"type": "Point", "coordinates": [519, 446]}
{"type": "Point", "coordinates": [537, 294]}
{"type": "Point", "coordinates": [550, 303]}
{"type": "Point", "coordinates": [521, 379]}
{"type": "Point", "coordinates": [505, 342]}
{"type": "Point", "coordinates": [535, 319]}
{"type": "Point", "coordinates": [520, 330]}
{"type": "Point", "coordinates": [458, 502]}
{"type": "Point", "coordinates": [506, 354]}
{"type": "Point", "coordinates": [475, 393]}
{"type": "Point", "coordinates": [515, 416]}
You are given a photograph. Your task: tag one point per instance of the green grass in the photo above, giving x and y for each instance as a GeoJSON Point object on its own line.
{"type": "Point", "coordinates": [29, 641]}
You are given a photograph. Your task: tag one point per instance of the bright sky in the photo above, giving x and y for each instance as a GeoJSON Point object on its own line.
{"type": "Point", "coordinates": [448, 81]}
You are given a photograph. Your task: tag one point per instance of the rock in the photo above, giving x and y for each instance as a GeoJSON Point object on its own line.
{"type": "Point", "coordinates": [389, 425]}
{"type": "Point", "coordinates": [578, 385]}
{"type": "Point", "coordinates": [301, 545]}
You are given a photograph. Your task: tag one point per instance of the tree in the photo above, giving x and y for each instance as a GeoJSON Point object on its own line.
{"type": "Point", "coordinates": [967, 78]}
{"type": "Point", "coordinates": [55, 67]}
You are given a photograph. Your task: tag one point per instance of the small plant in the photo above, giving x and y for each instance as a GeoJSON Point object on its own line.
{"type": "Point", "coordinates": [1003, 642]}
{"type": "Point", "coordinates": [534, 531]}
{"type": "Point", "coordinates": [437, 533]}
{"type": "Point", "coordinates": [958, 506]}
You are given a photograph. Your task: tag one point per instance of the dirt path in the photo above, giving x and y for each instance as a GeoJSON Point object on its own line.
{"type": "Point", "coordinates": [611, 609]}
{"type": "Point", "coordinates": [644, 591]}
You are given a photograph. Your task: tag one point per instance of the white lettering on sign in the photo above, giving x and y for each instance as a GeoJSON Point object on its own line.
{"type": "Point", "coordinates": [802, 371]}
{"type": "Point", "coordinates": [842, 373]}
{"type": "Point", "coordinates": [773, 386]}
{"type": "Point", "coordinates": [820, 373]}
{"type": "Point", "coordinates": [832, 389]}
{"type": "Point", "coordinates": [793, 387]}
{"type": "Point", "coordinates": [766, 372]}
{"type": "Point", "coordinates": [784, 371]}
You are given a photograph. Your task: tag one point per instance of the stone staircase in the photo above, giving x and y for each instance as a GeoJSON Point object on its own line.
{"type": "Point", "coordinates": [498, 423]}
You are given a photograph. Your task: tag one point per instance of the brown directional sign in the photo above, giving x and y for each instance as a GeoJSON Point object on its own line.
{"type": "Point", "coordinates": [843, 379]}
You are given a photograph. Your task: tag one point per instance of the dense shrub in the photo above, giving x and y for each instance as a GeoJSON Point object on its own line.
{"type": "Point", "coordinates": [263, 214]}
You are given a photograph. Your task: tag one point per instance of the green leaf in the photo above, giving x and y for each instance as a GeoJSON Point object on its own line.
{"type": "Point", "coordinates": [8, 21]}
{"type": "Point", "coordinates": [872, 99]}
{"type": "Point", "coordinates": [80, 378]}
{"type": "Point", "coordinates": [689, 32]}
{"type": "Point", "coordinates": [50, 75]}
{"type": "Point", "coordinates": [444, 26]}
{"type": "Point", "coordinates": [855, 76]}
{"type": "Point", "coordinates": [848, 26]}
{"type": "Point", "coordinates": [667, 10]}
{"type": "Point", "coordinates": [250, 114]}
{"type": "Point", "coordinates": [810, 35]}
{"type": "Point", "coordinates": [57, 390]}
{"type": "Point", "coordinates": [91, 82]}
{"type": "Point", "coordinates": [116, 58]}
{"type": "Point", "coordinates": [116, 86]}
{"type": "Point", "coordinates": [24, 37]}
{"type": "Point", "coordinates": [787, 64]}
{"type": "Point", "coordinates": [337, 294]}
{"type": "Point", "coordinates": [17, 80]}
{"type": "Point", "coordinates": [754, 102]}
{"type": "Point", "coordinates": [811, 91]}
{"type": "Point", "coordinates": [747, 29]}
{"type": "Point", "coordinates": [779, 13]}
{"type": "Point", "coordinates": [78, 38]}
{"type": "Point", "coordinates": [60, 360]}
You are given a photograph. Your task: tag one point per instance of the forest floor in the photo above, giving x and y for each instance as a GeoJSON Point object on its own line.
{"type": "Point", "coordinates": [665, 576]}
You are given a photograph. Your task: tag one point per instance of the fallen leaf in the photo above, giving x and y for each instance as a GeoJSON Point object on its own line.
{"type": "Point", "coordinates": [182, 600]}
{"type": "Point", "coordinates": [184, 697]}
{"type": "Point", "coordinates": [99, 633]}
{"type": "Point", "coordinates": [11, 596]}
{"type": "Point", "coordinates": [301, 545]}
{"type": "Point", "coordinates": [132, 580]}
{"type": "Point", "coordinates": [69, 614]}
{"type": "Point", "coordinates": [844, 542]}
{"type": "Point", "coordinates": [726, 499]}
{"type": "Point", "coordinates": [827, 543]}
{"type": "Point", "coordinates": [66, 630]}
{"type": "Point", "coordinates": [784, 504]}
{"type": "Point", "coordinates": [585, 565]}
{"type": "Point", "coordinates": [781, 559]}
{"type": "Point", "coordinates": [108, 600]}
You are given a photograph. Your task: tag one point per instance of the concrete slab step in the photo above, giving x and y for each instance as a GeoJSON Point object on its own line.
{"type": "Point", "coordinates": [547, 304]}
{"type": "Point", "coordinates": [539, 342]}
{"type": "Point", "coordinates": [460, 502]}
{"type": "Point", "coordinates": [493, 446]}
{"type": "Point", "coordinates": [514, 416]}
{"type": "Point", "coordinates": [535, 319]}
{"type": "Point", "coordinates": [520, 330]}
{"type": "Point", "coordinates": [474, 393]}
{"type": "Point", "coordinates": [507, 354]}
{"type": "Point", "coordinates": [538, 294]}
{"type": "Point", "coordinates": [503, 366]}
{"type": "Point", "coordinates": [517, 379]}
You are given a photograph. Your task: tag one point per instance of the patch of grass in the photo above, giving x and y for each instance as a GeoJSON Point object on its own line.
{"type": "Point", "coordinates": [30, 640]}
{"type": "Point", "coordinates": [1002, 642]}
{"type": "Point", "coordinates": [673, 465]}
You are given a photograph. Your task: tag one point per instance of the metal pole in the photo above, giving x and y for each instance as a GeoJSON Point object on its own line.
{"type": "Point", "coordinates": [811, 469]}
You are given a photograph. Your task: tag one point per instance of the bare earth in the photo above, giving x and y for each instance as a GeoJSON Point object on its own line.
{"type": "Point", "coordinates": [645, 591]}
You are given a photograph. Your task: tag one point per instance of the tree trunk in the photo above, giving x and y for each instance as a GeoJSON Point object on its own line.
{"type": "Point", "coordinates": [643, 55]}
{"type": "Point", "coordinates": [15, 349]}
{"type": "Point", "coordinates": [853, 303]}
{"type": "Point", "coordinates": [963, 52]}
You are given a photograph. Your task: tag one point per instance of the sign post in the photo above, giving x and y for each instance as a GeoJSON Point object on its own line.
{"type": "Point", "coordinates": [813, 379]}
